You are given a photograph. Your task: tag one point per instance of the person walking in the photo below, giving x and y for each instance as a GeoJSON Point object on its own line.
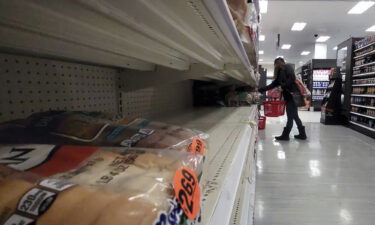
{"type": "Point", "coordinates": [285, 77]}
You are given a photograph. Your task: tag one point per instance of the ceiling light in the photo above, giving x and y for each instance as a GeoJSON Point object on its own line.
{"type": "Point", "coordinates": [262, 37]}
{"type": "Point", "coordinates": [261, 52]}
{"type": "Point", "coordinates": [286, 46]}
{"type": "Point", "coordinates": [305, 53]}
{"type": "Point", "coordinates": [361, 7]}
{"type": "Point", "coordinates": [335, 48]}
{"type": "Point", "coordinates": [298, 26]}
{"type": "Point", "coordinates": [260, 60]}
{"type": "Point", "coordinates": [280, 56]}
{"type": "Point", "coordinates": [323, 38]}
{"type": "Point", "coordinates": [263, 5]}
{"type": "Point", "coordinates": [371, 29]}
{"type": "Point", "coordinates": [300, 62]}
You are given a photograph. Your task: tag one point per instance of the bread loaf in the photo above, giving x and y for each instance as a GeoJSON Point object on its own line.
{"type": "Point", "coordinates": [11, 191]}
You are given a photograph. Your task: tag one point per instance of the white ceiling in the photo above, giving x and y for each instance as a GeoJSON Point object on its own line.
{"type": "Point", "coordinates": [322, 17]}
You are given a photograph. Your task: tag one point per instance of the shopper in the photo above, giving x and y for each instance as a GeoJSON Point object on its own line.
{"type": "Point", "coordinates": [284, 76]}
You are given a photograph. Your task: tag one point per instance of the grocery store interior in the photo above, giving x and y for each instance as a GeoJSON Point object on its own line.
{"type": "Point", "coordinates": [178, 112]}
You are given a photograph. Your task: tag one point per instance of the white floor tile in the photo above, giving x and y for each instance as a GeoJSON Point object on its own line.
{"type": "Point", "coordinates": [327, 179]}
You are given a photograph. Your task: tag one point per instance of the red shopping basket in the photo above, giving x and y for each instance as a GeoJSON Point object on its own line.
{"type": "Point", "coordinates": [274, 93]}
{"type": "Point", "coordinates": [274, 108]}
{"type": "Point", "coordinates": [262, 122]}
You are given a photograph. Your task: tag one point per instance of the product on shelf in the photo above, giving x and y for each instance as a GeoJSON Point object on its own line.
{"type": "Point", "coordinates": [364, 42]}
{"type": "Point", "coordinates": [364, 111]}
{"type": "Point", "coordinates": [365, 81]}
{"type": "Point", "coordinates": [364, 51]}
{"type": "Point", "coordinates": [320, 84]}
{"type": "Point", "coordinates": [77, 128]}
{"type": "Point", "coordinates": [97, 185]}
{"type": "Point", "coordinates": [365, 60]}
{"type": "Point", "coordinates": [319, 91]}
{"type": "Point", "coordinates": [363, 101]}
{"type": "Point", "coordinates": [245, 18]}
{"type": "Point", "coordinates": [368, 122]}
{"type": "Point", "coordinates": [364, 90]}
{"type": "Point", "coordinates": [321, 75]}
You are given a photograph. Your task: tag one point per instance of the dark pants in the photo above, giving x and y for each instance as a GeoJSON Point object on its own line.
{"type": "Point", "coordinates": [292, 114]}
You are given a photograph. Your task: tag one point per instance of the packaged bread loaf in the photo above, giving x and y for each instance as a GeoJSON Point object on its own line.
{"type": "Point", "coordinates": [48, 184]}
{"type": "Point", "coordinates": [83, 128]}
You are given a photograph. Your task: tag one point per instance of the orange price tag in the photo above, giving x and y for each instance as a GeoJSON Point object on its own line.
{"type": "Point", "coordinates": [197, 145]}
{"type": "Point", "coordinates": [187, 191]}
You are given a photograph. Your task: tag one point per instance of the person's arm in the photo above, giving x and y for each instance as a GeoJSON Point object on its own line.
{"type": "Point", "coordinates": [272, 85]}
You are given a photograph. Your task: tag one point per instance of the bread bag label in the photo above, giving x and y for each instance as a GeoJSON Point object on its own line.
{"type": "Point", "coordinates": [56, 184]}
{"type": "Point", "coordinates": [142, 133]}
{"type": "Point", "coordinates": [197, 146]}
{"type": "Point", "coordinates": [16, 219]}
{"type": "Point", "coordinates": [74, 125]}
{"type": "Point", "coordinates": [36, 201]}
{"type": "Point", "coordinates": [24, 157]}
{"type": "Point", "coordinates": [187, 191]}
{"type": "Point", "coordinates": [173, 217]}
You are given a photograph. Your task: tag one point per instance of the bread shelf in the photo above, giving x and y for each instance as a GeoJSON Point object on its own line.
{"type": "Point", "coordinates": [366, 54]}
{"type": "Point", "coordinates": [172, 34]}
{"type": "Point", "coordinates": [231, 138]}
{"type": "Point", "coordinates": [243, 213]}
{"type": "Point", "coordinates": [360, 114]}
{"type": "Point", "coordinates": [364, 106]}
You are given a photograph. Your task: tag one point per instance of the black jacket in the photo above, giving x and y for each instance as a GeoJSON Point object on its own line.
{"type": "Point", "coordinates": [285, 78]}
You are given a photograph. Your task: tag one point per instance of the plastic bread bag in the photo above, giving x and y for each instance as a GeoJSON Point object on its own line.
{"type": "Point", "coordinates": [97, 185]}
{"type": "Point", "coordinates": [84, 128]}
{"type": "Point", "coordinates": [169, 136]}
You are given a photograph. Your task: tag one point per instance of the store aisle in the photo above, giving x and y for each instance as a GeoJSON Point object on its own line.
{"type": "Point", "coordinates": [328, 179]}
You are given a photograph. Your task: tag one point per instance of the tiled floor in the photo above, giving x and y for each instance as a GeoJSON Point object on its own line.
{"type": "Point", "coordinates": [328, 179]}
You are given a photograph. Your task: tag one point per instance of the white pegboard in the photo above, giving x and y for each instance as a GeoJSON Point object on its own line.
{"type": "Point", "coordinates": [154, 101]}
{"type": "Point", "coordinates": [30, 84]}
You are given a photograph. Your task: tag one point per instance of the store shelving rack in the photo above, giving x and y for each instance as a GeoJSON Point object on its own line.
{"type": "Point", "coordinates": [345, 64]}
{"type": "Point", "coordinates": [363, 128]}
{"type": "Point", "coordinates": [307, 76]}
{"type": "Point", "coordinates": [100, 56]}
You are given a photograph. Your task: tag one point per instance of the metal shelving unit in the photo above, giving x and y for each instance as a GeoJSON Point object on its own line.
{"type": "Point", "coordinates": [363, 126]}
{"type": "Point", "coordinates": [359, 120]}
{"type": "Point", "coordinates": [360, 114]}
{"type": "Point", "coordinates": [367, 64]}
{"type": "Point", "coordinates": [99, 56]}
{"type": "Point", "coordinates": [364, 106]}
{"type": "Point", "coordinates": [356, 50]}
{"type": "Point", "coordinates": [364, 74]}
{"type": "Point", "coordinates": [345, 52]}
{"type": "Point", "coordinates": [179, 35]}
{"type": "Point", "coordinates": [364, 95]}
{"type": "Point", "coordinates": [309, 68]}
{"type": "Point", "coordinates": [363, 85]}
{"type": "Point", "coordinates": [243, 213]}
{"type": "Point", "coordinates": [366, 54]}
{"type": "Point", "coordinates": [228, 161]}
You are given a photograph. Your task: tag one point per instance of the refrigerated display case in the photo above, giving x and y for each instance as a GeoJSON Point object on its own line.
{"type": "Point", "coordinates": [315, 74]}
